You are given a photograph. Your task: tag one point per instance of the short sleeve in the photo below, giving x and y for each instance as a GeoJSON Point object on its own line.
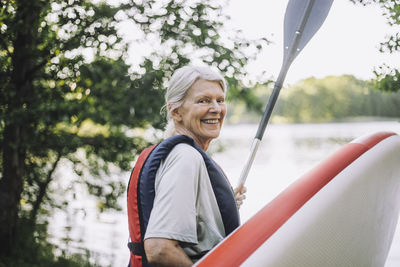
{"type": "Point", "coordinates": [174, 212]}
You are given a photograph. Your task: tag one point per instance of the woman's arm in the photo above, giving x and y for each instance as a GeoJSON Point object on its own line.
{"type": "Point", "coordinates": [165, 252]}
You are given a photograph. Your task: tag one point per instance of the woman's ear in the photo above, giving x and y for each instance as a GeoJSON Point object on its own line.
{"type": "Point", "coordinates": [176, 114]}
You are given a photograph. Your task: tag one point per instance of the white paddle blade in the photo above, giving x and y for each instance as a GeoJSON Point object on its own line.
{"type": "Point", "coordinates": [303, 18]}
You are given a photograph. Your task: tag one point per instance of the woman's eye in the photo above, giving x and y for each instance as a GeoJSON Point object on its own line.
{"type": "Point", "coordinates": [204, 101]}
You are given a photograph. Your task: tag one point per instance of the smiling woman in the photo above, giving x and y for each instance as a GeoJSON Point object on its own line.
{"type": "Point", "coordinates": [188, 82]}
{"type": "Point", "coordinates": [180, 204]}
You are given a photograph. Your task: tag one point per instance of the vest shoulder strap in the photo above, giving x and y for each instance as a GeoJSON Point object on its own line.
{"type": "Point", "coordinates": [136, 245]}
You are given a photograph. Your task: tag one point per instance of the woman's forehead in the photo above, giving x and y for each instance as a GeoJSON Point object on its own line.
{"type": "Point", "coordinates": [201, 87]}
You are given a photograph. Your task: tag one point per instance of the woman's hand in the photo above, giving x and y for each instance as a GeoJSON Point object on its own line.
{"type": "Point", "coordinates": [240, 195]}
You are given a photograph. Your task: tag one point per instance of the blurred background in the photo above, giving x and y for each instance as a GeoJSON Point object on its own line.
{"type": "Point", "coordinates": [82, 84]}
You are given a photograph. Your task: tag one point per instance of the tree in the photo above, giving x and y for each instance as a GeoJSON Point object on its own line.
{"type": "Point", "coordinates": [336, 98]}
{"type": "Point", "coordinates": [387, 79]}
{"type": "Point", "coordinates": [67, 93]}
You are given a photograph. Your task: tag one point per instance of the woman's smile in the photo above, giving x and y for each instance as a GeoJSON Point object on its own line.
{"type": "Point", "coordinates": [210, 121]}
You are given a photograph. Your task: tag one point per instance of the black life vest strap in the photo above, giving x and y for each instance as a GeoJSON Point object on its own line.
{"type": "Point", "coordinates": [136, 248]}
{"type": "Point", "coordinates": [199, 256]}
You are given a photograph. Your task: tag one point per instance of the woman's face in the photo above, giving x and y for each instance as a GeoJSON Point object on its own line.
{"type": "Point", "coordinates": [202, 113]}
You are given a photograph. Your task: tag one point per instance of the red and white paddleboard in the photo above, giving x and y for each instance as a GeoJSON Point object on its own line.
{"type": "Point", "coordinates": [342, 213]}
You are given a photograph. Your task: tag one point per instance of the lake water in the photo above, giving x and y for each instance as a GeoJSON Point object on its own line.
{"type": "Point", "coordinates": [287, 151]}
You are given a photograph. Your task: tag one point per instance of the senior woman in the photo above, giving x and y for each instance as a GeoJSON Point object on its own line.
{"type": "Point", "coordinates": [177, 194]}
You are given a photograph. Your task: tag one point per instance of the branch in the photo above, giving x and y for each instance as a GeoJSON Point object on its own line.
{"type": "Point", "coordinates": [42, 190]}
{"type": "Point", "coordinates": [36, 68]}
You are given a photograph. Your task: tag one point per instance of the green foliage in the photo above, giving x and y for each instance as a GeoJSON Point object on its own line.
{"type": "Point", "coordinates": [35, 250]}
{"type": "Point", "coordinates": [336, 98]}
{"type": "Point", "coordinates": [387, 79]}
{"type": "Point", "coordinates": [238, 111]}
{"type": "Point", "coordinates": [67, 93]}
{"type": "Point", "coordinates": [332, 98]}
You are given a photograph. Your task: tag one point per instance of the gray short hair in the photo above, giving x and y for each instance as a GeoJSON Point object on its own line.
{"type": "Point", "coordinates": [180, 83]}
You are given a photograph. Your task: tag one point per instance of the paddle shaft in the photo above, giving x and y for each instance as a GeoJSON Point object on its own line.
{"type": "Point", "coordinates": [287, 61]}
{"type": "Point", "coordinates": [262, 126]}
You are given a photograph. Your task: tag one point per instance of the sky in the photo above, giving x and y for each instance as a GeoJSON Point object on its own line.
{"type": "Point", "coordinates": [347, 42]}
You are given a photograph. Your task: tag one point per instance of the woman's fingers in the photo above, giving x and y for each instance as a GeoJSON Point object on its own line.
{"type": "Point", "coordinates": [240, 190]}
{"type": "Point", "coordinates": [243, 189]}
{"type": "Point", "coordinates": [239, 195]}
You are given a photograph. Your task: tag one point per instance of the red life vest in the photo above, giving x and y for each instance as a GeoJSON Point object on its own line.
{"type": "Point", "coordinates": [141, 194]}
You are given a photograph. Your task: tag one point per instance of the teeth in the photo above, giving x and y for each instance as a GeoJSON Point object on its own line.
{"type": "Point", "coordinates": [210, 121]}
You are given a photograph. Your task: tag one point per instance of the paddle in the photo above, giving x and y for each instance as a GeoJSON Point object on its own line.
{"type": "Point", "coordinates": [303, 18]}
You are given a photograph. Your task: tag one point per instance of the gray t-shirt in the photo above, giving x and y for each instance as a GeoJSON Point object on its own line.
{"type": "Point", "coordinates": [185, 208]}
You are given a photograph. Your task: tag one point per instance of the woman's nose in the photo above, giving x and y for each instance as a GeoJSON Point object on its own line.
{"type": "Point", "coordinates": [215, 107]}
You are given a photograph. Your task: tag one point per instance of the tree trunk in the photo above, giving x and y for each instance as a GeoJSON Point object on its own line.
{"type": "Point", "coordinates": [10, 187]}
{"type": "Point", "coordinates": [17, 122]}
